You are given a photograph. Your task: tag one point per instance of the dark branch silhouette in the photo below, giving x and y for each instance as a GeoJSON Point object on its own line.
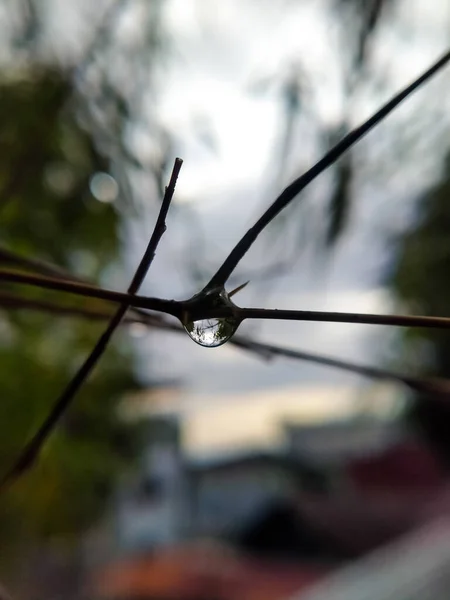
{"type": "Point", "coordinates": [434, 387]}
{"type": "Point", "coordinates": [289, 194]}
{"type": "Point", "coordinates": [49, 270]}
{"type": "Point", "coordinates": [11, 301]}
{"type": "Point", "coordinates": [90, 291]}
{"type": "Point", "coordinates": [37, 265]}
{"type": "Point", "coordinates": [202, 305]}
{"type": "Point", "coordinates": [332, 317]}
{"type": "Point", "coordinates": [197, 310]}
{"type": "Point", "coordinates": [32, 449]}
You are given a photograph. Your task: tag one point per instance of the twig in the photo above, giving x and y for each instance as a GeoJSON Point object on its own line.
{"type": "Point", "coordinates": [39, 266]}
{"type": "Point", "coordinates": [32, 449]}
{"type": "Point", "coordinates": [177, 308]}
{"type": "Point", "coordinates": [336, 317]}
{"type": "Point", "coordinates": [50, 270]}
{"type": "Point", "coordinates": [18, 302]}
{"type": "Point", "coordinates": [288, 195]}
{"type": "Point", "coordinates": [438, 387]}
{"type": "Point", "coordinates": [90, 291]}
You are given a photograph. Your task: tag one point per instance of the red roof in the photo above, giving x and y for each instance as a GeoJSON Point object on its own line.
{"type": "Point", "coordinates": [406, 467]}
{"type": "Point", "coordinates": [387, 495]}
{"type": "Point", "coordinates": [203, 571]}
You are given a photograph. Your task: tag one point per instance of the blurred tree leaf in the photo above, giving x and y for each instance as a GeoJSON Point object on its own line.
{"type": "Point", "coordinates": [363, 17]}
{"type": "Point", "coordinates": [420, 281]}
{"type": "Point", "coordinates": [47, 210]}
{"type": "Point", "coordinates": [340, 202]}
{"type": "Point", "coordinates": [371, 16]}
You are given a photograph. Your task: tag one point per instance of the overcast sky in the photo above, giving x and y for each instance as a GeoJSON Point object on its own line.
{"type": "Point", "coordinates": [227, 133]}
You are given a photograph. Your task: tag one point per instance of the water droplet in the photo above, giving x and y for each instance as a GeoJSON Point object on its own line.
{"type": "Point", "coordinates": [212, 332]}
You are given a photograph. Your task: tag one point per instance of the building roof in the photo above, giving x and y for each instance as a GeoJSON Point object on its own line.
{"type": "Point", "coordinates": [387, 494]}
{"type": "Point", "coordinates": [336, 443]}
{"type": "Point", "coordinates": [406, 467]}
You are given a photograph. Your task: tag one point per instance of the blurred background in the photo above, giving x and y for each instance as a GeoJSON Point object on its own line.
{"type": "Point", "coordinates": [190, 473]}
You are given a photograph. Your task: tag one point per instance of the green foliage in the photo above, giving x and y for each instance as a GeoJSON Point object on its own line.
{"type": "Point", "coordinates": [421, 281]}
{"type": "Point", "coordinates": [47, 211]}
{"type": "Point", "coordinates": [46, 162]}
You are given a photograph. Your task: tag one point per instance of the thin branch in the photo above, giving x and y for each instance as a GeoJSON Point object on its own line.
{"type": "Point", "coordinates": [438, 387]}
{"type": "Point", "coordinates": [18, 302]}
{"type": "Point", "coordinates": [341, 317]}
{"type": "Point", "coordinates": [32, 449]}
{"type": "Point", "coordinates": [177, 308]}
{"type": "Point", "coordinates": [288, 195]}
{"type": "Point", "coordinates": [39, 266]}
{"type": "Point", "coordinates": [50, 270]}
{"type": "Point", "coordinates": [170, 307]}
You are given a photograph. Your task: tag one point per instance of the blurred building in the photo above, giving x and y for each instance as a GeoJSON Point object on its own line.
{"type": "Point", "coordinates": [360, 483]}
{"type": "Point", "coordinates": [150, 506]}
{"type": "Point", "coordinates": [333, 492]}
{"type": "Point", "coordinates": [227, 491]}
{"type": "Point", "coordinates": [338, 442]}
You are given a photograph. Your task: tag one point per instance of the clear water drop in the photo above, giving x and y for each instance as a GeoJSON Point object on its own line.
{"type": "Point", "coordinates": [212, 332]}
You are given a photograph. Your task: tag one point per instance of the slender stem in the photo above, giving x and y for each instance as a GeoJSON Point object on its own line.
{"type": "Point", "coordinates": [48, 269]}
{"type": "Point", "coordinates": [16, 302]}
{"type": "Point", "coordinates": [32, 449]}
{"type": "Point", "coordinates": [440, 387]}
{"type": "Point", "coordinates": [330, 317]}
{"type": "Point", "coordinates": [299, 184]}
{"type": "Point", "coordinates": [87, 291]}
{"type": "Point", "coordinates": [177, 308]}
{"type": "Point", "coordinates": [341, 317]}
{"type": "Point", "coordinates": [35, 264]}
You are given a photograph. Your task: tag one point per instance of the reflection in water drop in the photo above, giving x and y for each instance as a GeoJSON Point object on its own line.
{"type": "Point", "coordinates": [211, 332]}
